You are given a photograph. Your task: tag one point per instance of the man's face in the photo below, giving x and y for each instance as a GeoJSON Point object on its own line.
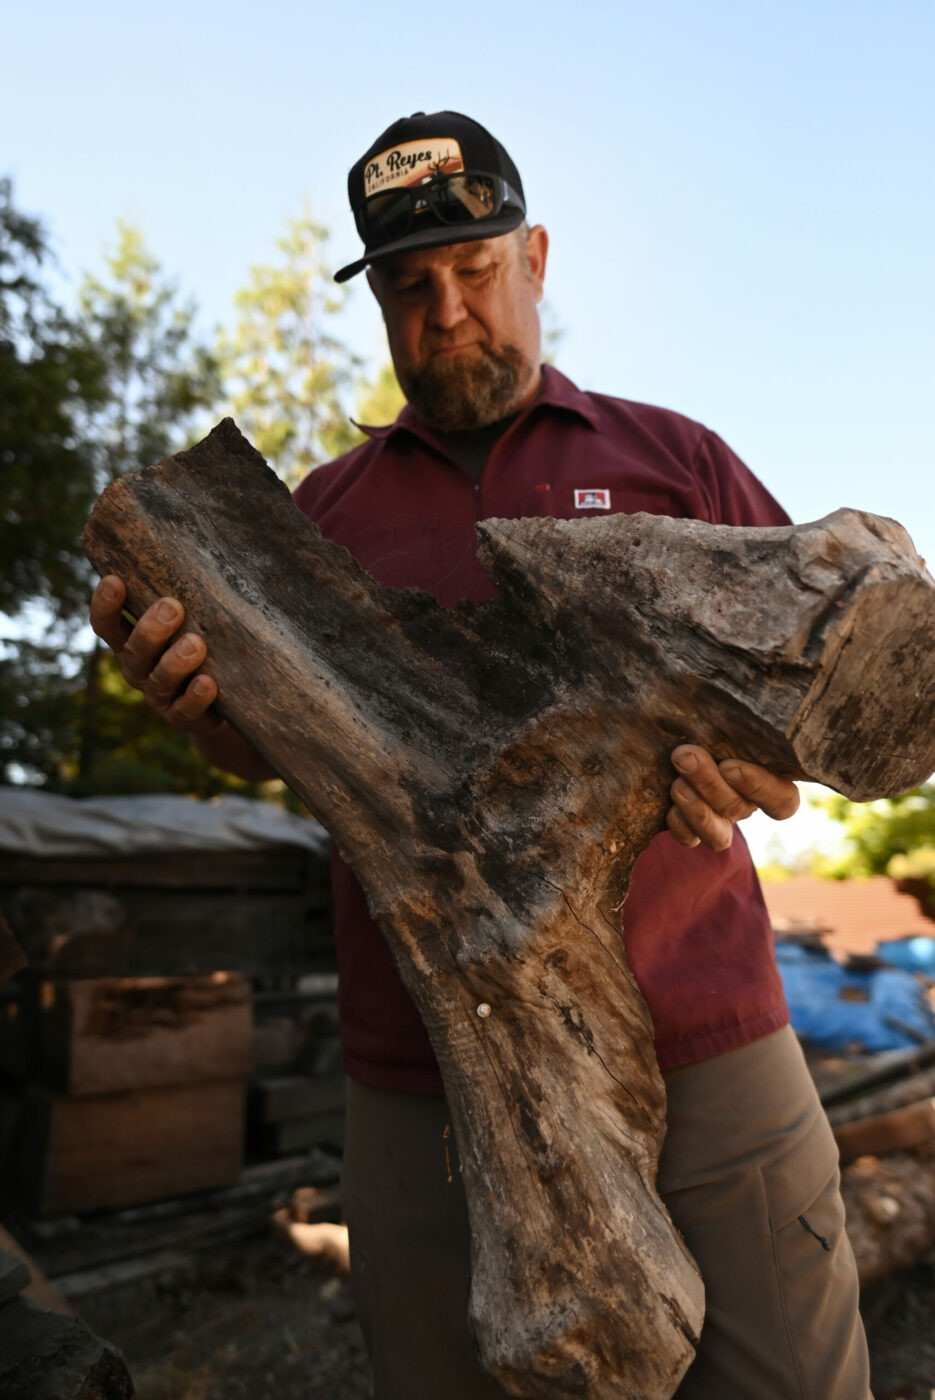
{"type": "Point", "coordinates": [463, 327]}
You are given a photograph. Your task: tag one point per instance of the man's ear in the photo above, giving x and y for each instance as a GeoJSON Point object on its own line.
{"type": "Point", "coordinates": [537, 251]}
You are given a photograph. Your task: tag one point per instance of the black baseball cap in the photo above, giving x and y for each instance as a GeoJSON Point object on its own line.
{"type": "Point", "coordinates": [429, 180]}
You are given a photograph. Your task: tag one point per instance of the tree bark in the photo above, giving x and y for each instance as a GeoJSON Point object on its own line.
{"type": "Point", "coordinates": [491, 772]}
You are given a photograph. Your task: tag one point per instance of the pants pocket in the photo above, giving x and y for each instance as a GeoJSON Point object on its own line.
{"type": "Point", "coordinates": [815, 1272]}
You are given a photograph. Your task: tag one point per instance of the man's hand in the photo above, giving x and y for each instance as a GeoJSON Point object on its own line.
{"type": "Point", "coordinates": [708, 797]}
{"type": "Point", "coordinates": [165, 674]}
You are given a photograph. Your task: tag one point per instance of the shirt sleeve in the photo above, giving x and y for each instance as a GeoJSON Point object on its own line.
{"type": "Point", "coordinates": [733, 494]}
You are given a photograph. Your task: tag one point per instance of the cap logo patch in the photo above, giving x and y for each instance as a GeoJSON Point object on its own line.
{"type": "Point", "coordinates": [592, 498]}
{"type": "Point", "coordinates": [410, 163]}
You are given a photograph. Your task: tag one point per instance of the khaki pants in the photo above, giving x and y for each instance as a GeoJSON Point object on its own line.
{"type": "Point", "coordinates": [748, 1153]}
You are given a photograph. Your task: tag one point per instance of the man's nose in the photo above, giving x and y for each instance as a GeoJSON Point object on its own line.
{"type": "Point", "coordinates": [446, 307]}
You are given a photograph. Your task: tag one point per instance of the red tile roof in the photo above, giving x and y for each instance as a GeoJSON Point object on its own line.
{"type": "Point", "coordinates": [854, 915]}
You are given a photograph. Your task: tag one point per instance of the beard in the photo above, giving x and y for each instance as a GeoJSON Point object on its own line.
{"type": "Point", "coordinates": [469, 391]}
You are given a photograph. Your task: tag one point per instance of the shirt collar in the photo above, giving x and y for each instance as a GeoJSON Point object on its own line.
{"type": "Point", "coordinates": [557, 392]}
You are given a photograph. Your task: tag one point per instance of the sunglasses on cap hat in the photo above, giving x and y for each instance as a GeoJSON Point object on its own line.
{"type": "Point", "coordinates": [465, 197]}
{"type": "Point", "coordinates": [429, 180]}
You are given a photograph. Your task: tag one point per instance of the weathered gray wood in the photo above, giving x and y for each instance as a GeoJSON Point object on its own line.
{"type": "Point", "coordinates": [141, 931]}
{"type": "Point", "coordinates": [14, 1276]}
{"type": "Point", "coordinates": [492, 772]}
{"type": "Point", "coordinates": [912, 1125]}
{"type": "Point", "coordinates": [278, 868]}
{"type": "Point", "coordinates": [888, 1068]}
{"type": "Point", "coordinates": [905, 1091]}
{"type": "Point", "coordinates": [45, 1356]}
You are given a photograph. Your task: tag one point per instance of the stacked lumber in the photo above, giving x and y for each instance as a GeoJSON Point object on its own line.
{"type": "Point", "coordinates": [296, 1098]}
{"type": "Point", "coordinates": [884, 1124]}
{"type": "Point", "coordinates": [174, 914]}
{"type": "Point", "coordinates": [138, 1091]}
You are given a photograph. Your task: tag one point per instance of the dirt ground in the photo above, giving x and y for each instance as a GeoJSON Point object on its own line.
{"type": "Point", "coordinates": [257, 1320]}
{"type": "Point", "coordinates": [249, 1321]}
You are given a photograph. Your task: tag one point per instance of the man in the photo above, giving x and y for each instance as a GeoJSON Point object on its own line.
{"type": "Point", "coordinates": [749, 1167]}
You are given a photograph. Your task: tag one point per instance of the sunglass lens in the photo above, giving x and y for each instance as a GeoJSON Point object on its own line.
{"type": "Point", "coordinates": [463, 198]}
{"type": "Point", "coordinates": [388, 215]}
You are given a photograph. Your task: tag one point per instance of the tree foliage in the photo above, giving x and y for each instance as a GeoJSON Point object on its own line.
{"type": "Point", "coordinates": [288, 375]}
{"type": "Point", "coordinates": [156, 377]}
{"type": "Point", "coordinates": [892, 836]}
{"type": "Point", "coordinates": [68, 719]}
{"type": "Point", "coordinates": [116, 386]}
{"type": "Point", "coordinates": [48, 376]}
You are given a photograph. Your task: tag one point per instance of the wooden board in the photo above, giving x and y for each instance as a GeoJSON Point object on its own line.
{"type": "Point", "coordinates": [137, 931]}
{"type": "Point", "coordinates": [296, 1096]}
{"type": "Point", "coordinates": [911, 1126]}
{"type": "Point", "coordinates": [124, 1149]}
{"type": "Point", "coordinates": [116, 1033]}
{"type": "Point", "coordinates": [300, 1134]}
{"type": "Point", "coordinates": [284, 868]}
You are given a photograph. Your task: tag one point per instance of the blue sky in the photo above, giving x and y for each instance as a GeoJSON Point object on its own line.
{"type": "Point", "coordinates": [741, 196]}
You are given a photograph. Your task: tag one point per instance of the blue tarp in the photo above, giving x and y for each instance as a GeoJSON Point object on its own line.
{"type": "Point", "coordinates": [834, 1007]}
{"type": "Point", "coordinates": [913, 954]}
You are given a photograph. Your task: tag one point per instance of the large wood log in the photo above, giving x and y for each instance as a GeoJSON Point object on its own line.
{"type": "Point", "coordinates": [492, 772]}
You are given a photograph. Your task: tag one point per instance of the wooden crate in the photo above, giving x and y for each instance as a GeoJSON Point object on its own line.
{"type": "Point", "coordinates": [179, 914]}
{"type": "Point", "coordinates": [113, 1034]}
{"type": "Point", "coordinates": [113, 1150]}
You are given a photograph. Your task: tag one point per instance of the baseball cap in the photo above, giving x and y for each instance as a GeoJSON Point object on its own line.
{"type": "Point", "coordinates": [429, 180]}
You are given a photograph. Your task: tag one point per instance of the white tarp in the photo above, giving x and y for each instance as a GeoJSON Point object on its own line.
{"type": "Point", "coordinates": [36, 823]}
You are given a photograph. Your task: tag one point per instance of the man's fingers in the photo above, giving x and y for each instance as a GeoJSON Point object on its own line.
{"type": "Point", "coordinates": [708, 785]}
{"type": "Point", "coordinates": [695, 814]}
{"type": "Point", "coordinates": [163, 672]}
{"type": "Point", "coordinates": [777, 797]}
{"type": "Point", "coordinates": [680, 829]}
{"type": "Point", "coordinates": [173, 669]}
{"type": "Point", "coordinates": [106, 601]}
{"type": "Point", "coordinates": [191, 710]}
{"type": "Point", "coordinates": [146, 643]}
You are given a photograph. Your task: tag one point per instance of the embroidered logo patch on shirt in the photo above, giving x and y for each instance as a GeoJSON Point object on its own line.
{"type": "Point", "coordinates": [592, 498]}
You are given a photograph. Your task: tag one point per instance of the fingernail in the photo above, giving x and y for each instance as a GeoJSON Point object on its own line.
{"type": "Point", "coordinates": [686, 763]}
{"type": "Point", "coordinates": [167, 612]}
{"type": "Point", "coordinates": [187, 647]}
{"type": "Point", "coordinates": [732, 772]}
{"type": "Point", "coordinates": [109, 591]}
{"type": "Point", "coordinates": [200, 685]}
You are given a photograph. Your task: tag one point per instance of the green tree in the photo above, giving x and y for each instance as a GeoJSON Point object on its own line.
{"type": "Point", "coordinates": [894, 836]}
{"type": "Point", "coordinates": [380, 401]}
{"type": "Point", "coordinates": [48, 377]}
{"type": "Point", "coordinates": [158, 380]}
{"type": "Point", "coordinates": [289, 376]}
{"type": "Point", "coordinates": [69, 719]}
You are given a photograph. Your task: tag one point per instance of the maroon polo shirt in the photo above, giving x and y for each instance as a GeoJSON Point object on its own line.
{"type": "Point", "coordinates": [695, 925]}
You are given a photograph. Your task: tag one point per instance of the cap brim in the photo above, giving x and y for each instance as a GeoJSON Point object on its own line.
{"type": "Point", "coordinates": [439, 236]}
